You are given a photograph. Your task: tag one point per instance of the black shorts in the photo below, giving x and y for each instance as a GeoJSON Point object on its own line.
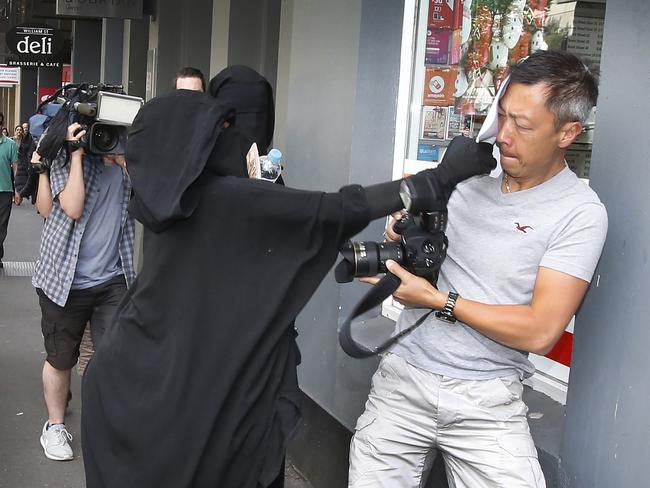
{"type": "Point", "coordinates": [63, 327]}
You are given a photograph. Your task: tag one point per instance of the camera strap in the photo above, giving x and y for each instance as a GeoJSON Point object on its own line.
{"type": "Point", "coordinates": [377, 294]}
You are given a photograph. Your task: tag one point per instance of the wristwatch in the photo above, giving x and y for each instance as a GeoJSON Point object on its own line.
{"type": "Point", "coordinates": [447, 312]}
{"type": "Point", "coordinates": [39, 168]}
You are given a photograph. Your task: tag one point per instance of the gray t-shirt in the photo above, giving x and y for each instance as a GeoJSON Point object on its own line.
{"type": "Point", "coordinates": [497, 242]}
{"type": "Point", "coordinates": [99, 254]}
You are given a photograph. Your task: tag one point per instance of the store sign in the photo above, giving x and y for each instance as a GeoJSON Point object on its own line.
{"type": "Point", "coordinates": [121, 9]}
{"type": "Point", "coordinates": [34, 45]}
{"type": "Point", "coordinates": [9, 75]}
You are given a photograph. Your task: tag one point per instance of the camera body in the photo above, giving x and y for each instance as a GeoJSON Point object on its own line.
{"type": "Point", "coordinates": [106, 114]}
{"type": "Point", "coordinates": [421, 249]}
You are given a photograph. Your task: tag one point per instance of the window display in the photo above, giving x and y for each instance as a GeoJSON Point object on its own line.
{"type": "Point", "coordinates": [463, 51]}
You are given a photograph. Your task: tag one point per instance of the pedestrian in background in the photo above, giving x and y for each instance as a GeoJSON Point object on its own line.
{"type": "Point", "coordinates": [26, 177]}
{"type": "Point", "coordinates": [8, 161]}
{"type": "Point", "coordinates": [189, 78]}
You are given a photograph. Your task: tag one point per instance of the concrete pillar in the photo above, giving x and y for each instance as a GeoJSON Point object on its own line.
{"type": "Point", "coordinates": [254, 36]}
{"type": "Point", "coordinates": [179, 36]}
{"type": "Point", "coordinates": [607, 424]}
{"type": "Point", "coordinates": [220, 35]}
{"type": "Point", "coordinates": [86, 51]}
{"type": "Point", "coordinates": [111, 51]}
{"type": "Point", "coordinates": [134, 62]}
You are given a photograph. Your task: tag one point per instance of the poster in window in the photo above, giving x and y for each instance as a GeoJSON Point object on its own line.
{"type": "Point", "coordinates": [434, 122]}
{"type": "Point", "coordinates": [439, 85]}
{"type": "Point", "coordinates": [428, 152]}
{"type": "Point", "coordinates": [437, 50]}
{"type": "Point", "coordinates": [458, 124]}
{"type": "Point", "coordinates": [441, 14]}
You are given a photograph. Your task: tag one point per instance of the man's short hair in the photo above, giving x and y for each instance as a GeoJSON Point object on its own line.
{"type": "Point", "coordinates": [571, 88]}
{"type": "Point", "coordinates": [189, 72]}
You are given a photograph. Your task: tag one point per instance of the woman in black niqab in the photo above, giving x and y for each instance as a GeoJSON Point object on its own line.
{"type": "Point", "coordinates": [195, 384]}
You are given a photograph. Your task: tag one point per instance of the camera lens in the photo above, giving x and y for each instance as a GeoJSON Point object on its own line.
{"type": "Point", "coordinates": [370, 257]}
{"type": "Point", "coordinates": [105, 137]}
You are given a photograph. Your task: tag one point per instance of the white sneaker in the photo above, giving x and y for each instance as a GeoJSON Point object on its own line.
{"type": "Point", "coordinates": [56, 442]}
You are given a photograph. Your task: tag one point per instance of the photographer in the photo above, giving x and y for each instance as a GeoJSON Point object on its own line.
{"type": "Point", "coordinates": [522, 251]}
{"type": "Point", "coordinates": [86, 258]}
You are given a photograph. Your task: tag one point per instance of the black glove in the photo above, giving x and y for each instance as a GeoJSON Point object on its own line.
{"type": "Point", "coordinates": [430, 189]}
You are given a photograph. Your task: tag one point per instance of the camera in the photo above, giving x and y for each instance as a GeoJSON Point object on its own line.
{"type": "Point", "coordinates": [106, 114]}
{"type": "Point", "coordinates": [421, 249]}
{"type": "Point", "coordinates": [423, 244]}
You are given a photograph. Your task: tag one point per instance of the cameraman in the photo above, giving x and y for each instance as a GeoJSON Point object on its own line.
{"type": "Point", "coordinates": [86, 259]}
{"type": "Point", "coordinates": [522, 252]}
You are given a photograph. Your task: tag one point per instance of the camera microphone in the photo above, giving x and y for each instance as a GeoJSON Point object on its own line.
{"type": "Point", "coordinates": [87, 109]}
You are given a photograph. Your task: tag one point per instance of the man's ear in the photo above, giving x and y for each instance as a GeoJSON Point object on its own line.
{"type": "Point", "coordinates": [568, 133]}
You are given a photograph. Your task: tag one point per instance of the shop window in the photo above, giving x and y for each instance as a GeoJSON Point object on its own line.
{"type": "Point", "coordinates": [455, 54]}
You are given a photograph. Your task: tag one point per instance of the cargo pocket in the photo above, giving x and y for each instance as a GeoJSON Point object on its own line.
{"type": "Point", "coordinates": [48, 323]}
{"type": "Point", "coordinates": [49, 338]}
{"type": "Point", "coordinates": [503, 398]}
{"type": "Point", "coordinates": [520, 458]}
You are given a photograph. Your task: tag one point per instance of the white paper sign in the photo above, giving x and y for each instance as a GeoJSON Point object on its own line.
{"type": "Point", "coordinates": [9, 75]}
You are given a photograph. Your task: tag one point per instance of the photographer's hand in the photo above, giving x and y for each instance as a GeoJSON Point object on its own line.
{"type": "Point", "coordinates": [73, 138]}
{"type": "Point", "coordinates": [414, 291]}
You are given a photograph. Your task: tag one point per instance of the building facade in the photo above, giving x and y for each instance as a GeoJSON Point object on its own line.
{"type": "Point", "coordinates": [349, 79]}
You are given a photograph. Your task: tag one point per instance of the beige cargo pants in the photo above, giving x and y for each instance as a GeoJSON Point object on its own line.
{"type": "Point", "coordinates": [479, 426]}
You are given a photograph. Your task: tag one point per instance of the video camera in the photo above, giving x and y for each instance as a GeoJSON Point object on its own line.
{"type": "Point", "coordinates": [105, 113]}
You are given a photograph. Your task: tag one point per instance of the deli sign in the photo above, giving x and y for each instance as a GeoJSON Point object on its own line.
{"type": "Point", "coordinates": [37, 45]}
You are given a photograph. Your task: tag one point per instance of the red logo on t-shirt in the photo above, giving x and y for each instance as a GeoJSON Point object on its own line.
{"type": "Point", "coordinates": [522, 227]}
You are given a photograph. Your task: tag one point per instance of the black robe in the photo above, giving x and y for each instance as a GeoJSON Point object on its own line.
{"type": "Point", "coordinates": [195, 384]}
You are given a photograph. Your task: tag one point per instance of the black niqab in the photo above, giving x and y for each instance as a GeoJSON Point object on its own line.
{"type": "Point", "coordinates": [195, 384]}
{"type": "Point", "coordinates": [251, 96]}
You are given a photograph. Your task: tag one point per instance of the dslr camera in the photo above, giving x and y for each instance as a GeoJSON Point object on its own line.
{"type": "Point", "coordinates": [421, 249]}
{"type": "Point", "coordinates": [105, 113]}
{"type": "Point", "coordinates": [423, 244]}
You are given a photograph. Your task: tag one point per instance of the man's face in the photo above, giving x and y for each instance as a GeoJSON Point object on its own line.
{"type": "Point", "coordinates": [25, 127]}
{"type": "Point", "coordinates": [189, 84]}
{"type": "Point", "coordinates": [528, 139]}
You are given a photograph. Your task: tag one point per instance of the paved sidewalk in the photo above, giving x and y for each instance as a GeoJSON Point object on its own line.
{"type": "Point", "coordinates": [22, 410]}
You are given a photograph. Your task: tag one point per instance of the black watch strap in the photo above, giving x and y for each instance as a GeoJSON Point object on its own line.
{"type": "Point", "coordinates": [447, 312]}
{"type": "Point", "coordinates": [39, 168]}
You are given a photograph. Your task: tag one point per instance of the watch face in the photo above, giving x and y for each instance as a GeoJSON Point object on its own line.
{"type": "Point", "coordinates": [405, 195]}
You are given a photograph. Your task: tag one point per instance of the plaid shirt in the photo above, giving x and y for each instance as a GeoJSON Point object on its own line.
{"type": "Point", "coordinates": [62, 235]}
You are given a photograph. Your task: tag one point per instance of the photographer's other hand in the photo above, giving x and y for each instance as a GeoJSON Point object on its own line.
{"type": "Point", "coordinates": [414, 291]}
